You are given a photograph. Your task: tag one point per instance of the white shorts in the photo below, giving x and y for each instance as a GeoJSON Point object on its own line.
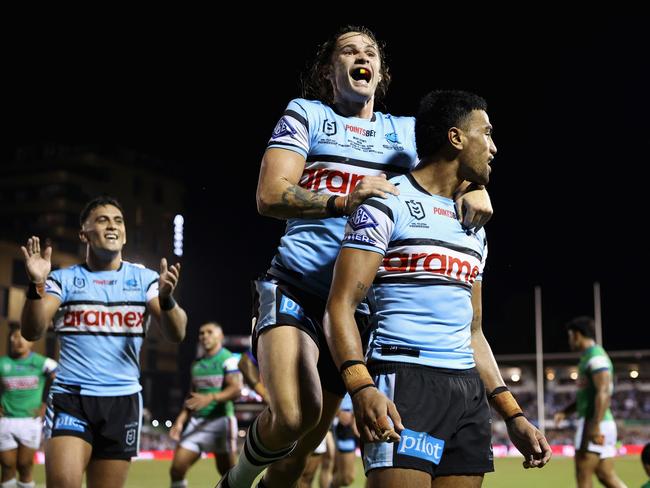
{"type": "Point", "coordinates": [20, 431]}
{"type": "Point", "coordinates": [608, 429]}
{"type": "Point", "coordinates": [218, 435]}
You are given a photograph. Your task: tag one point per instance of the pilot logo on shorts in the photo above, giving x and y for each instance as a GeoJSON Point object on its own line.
{"type": "Point", "coordinates": [420, 445]}
{"type": "Point", "coordinates": [289, 307]}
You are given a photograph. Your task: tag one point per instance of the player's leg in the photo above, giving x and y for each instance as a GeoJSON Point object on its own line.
{"type": "Point", "coordinates": [183, 460]}
{"type": "Point", "coordinates": [399, 477]}
{"type": "Point", "coordinates": [327, 464]}
{"type": "Point", "coordinates": [25, 465]}
{"type": "Point", "coordinates": [66, 458]}
{"type": "Point", "coordinates": [287, 357]}
{"type": "Point", "coordinates": [311, 466]}
{"type": "Point", "coordinates": [585, 464]}
{"type": "Point", "coordinates": [107, 473]}
{"type": "Point", "coordinates": [287, 471]}
{"type": "Point", "coordinates": [224, 443]}
{"type": "Point", "coordinates": [607, 474]}
{"type": "Point", "coordinates": [8, 459]}
{"type": "Point", "coordinates": [346, 445]}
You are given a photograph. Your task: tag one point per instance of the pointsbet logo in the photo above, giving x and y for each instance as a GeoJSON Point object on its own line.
{"type": "Point", "coordinates": [420, 445]}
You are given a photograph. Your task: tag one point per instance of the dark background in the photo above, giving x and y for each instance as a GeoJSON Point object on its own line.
{"type": "Point", "coordinates": [568, 97]}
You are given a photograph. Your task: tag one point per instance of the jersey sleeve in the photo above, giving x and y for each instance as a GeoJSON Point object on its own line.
{"type": "Point", "coordinates": [231, 365]}
{"type": "Point", "coordinates": [484, 254]}
{"type": "Point", "coordinates": [292, 130]}
{"type": "Point", "coordinates": [370, 227]}
{"type": "Point", "coordinates": [54, 285]}
{"type": "Point", "coordinates": [346, 403]}
{"type": "Point", "coordinates": [150, 282]}
{"type": "Point", "coordinates": [597, 364]}
{"type": "Point", "coordinates": [49, 366]}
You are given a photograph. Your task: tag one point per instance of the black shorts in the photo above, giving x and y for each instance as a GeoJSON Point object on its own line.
{"type": "Point", "coordinates": [447, 417]}
{"type": "Point", "coordinates": [277, 303]}
{"type": "Point", "coordinates": [111, 425]}
{"type": "Point", "coordinates": [346, 441]}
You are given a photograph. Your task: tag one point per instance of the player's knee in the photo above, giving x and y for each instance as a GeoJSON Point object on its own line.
{"type": "Point", "coordinates": [24, 468]}
{"type": "Point", "coordinates": [294, 422]}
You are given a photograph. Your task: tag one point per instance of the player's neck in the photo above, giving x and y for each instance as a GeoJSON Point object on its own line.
{"type": "Point", "coordinates": [438, 177]}
{"type": "Point", "coordinates": [24, 355]}
{"type": "Point", "coordinates": [587, 344]}
{"type": "Point", "coordinates": [361, 110]}
{"type": "Point", "coordinates": [109, 262]}
{"type": "Point", "coordinates": [213, 351]}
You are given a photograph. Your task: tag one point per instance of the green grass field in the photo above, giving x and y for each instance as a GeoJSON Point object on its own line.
{"type": "Point", "coordinates": [509, 474]}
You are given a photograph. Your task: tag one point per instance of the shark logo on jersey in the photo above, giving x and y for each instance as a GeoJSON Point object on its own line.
{"type": "Point", "coordinates": [392, 138]}
{"type": "Point", "coordinates": [329, 127]}
{"type": "Point", "coordinates": [415, 209]}
{"type": "Point", "coordinates": [361, 219]}
{"type": "Point", "coordinates": [283, 128]}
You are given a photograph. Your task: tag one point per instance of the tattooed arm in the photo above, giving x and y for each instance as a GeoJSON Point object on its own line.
{"type": "Point", "coordinates": [279, 195]}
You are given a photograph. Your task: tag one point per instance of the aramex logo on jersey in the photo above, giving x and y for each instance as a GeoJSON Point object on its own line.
{"type": "Point", "coordinates": [101, 321]}
{"type": "Point", "coordinates": [437, 263]}
{"type": "Point", "coordinates": [335, 181]}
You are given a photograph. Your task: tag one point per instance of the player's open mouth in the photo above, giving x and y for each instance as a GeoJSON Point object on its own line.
{"type": "Point", "coordinates": [361, 74]}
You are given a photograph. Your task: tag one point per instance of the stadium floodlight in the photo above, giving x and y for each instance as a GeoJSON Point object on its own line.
{"type": "Point", "coordinates": [634, 374]}
{"type": "Point", "coordinates": [155, 423]}
{"type": "Point", "coordinates": [168, 423]}
{"type": "Point", "coordinates": [573, 375]}
{"type": "Point", "coordinates": [515, 377]}
{"type": "Point", "coordinates": [178, 235]}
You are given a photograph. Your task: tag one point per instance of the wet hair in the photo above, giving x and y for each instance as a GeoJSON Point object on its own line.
{"type": "Point", "coordinates": [98, 202]}
{"type": "Point", "coordinates": [315, 85]}
{"type": "Point", "coordinates": [584, 325]}
{"type": "Point", "coordinates": [645, 454]}
{"type": "Point", "coordinates": [439, 111]}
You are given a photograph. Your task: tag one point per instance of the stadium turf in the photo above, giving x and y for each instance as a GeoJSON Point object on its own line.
{"type": "Point", "coordinates": [509, 474]}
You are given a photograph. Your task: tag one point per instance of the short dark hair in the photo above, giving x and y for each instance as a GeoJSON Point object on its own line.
{"type": "Point", "coordinates": [13, 326]}
{"type": "Point", "coordinates": [584, 325]}
{"type": "Point", "coordinates": [314, 84]}
{"type": "Point", "coordinates": [439, 111]}
{"type": "Point", "coordinates": [645, 454]}
{"type": "Point", "coordinates": [99, 201]}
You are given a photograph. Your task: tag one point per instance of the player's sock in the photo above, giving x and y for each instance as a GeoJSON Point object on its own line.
{"type": "Point", "coordinates": [9, 483]}
{"type": "Point", "coordinates": [253, 459]}
{"type": "Point", "coordinates": [179, 484]}
{"type": "Point", "coordinates": [21, 484]}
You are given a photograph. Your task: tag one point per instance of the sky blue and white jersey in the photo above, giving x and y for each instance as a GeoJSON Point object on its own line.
{"type": "Point", "coordinates": [339, 152]}
{"type": "Point", "coordinates": [422, 294]}
{"type": "Point", "coordinates": [101, 323]}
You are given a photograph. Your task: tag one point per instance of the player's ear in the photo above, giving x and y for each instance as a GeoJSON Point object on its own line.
{"type": "Point", "coordinates": [82, 236]}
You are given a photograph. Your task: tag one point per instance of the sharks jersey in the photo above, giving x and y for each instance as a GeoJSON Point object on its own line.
{"type": "Point", "coordinates": [101, 323]}
{"type": "Point", "coordinates": [339, 152]}
{"type": "Point", "coordinates": [422, 293]}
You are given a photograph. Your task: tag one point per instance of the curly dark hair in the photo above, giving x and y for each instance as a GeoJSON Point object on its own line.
{"type": "Point", "coordinates": [439, 111]}
{"type": "Point", "coordinates": [315, 86]}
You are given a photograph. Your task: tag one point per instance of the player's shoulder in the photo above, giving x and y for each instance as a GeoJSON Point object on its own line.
{"type": "Point", "coordinates": [138, 269]}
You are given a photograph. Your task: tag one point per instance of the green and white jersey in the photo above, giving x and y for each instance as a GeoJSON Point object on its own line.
{"type": "Point", "coordinates": [207, 377]}
{"type": "Point", "coordinates": [592, 361]}
{"type": "Point", "coordinates": [23, 380]}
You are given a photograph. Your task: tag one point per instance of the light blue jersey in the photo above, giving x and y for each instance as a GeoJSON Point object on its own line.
{"type": "Point", "coordinates": [101, 322]}
{"type": "Point", "coordinates": [422, 294]}
{"type": "Point", "coordinates": [339, 152]}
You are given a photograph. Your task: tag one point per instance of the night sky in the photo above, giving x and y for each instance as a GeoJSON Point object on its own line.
{"type": "Point", "coordinates": [568, 99]}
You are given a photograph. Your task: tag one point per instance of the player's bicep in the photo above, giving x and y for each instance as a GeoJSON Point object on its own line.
{"type": "Point", "coordinates": [354, 272]}
{"type": "Point", "coordinates": [153, 307]}
{"type": "Point", "coordinates": [602, 379]}
{"type": "Point", "coordinates": [279, 167]}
